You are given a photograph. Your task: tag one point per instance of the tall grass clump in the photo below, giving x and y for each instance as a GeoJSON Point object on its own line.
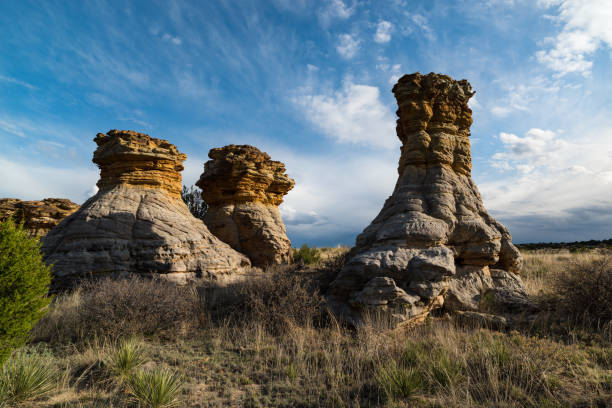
{"type": "Point", "coordinates": [24, 282]}
{"type": "Point", "coordinates": [157, 389]}
{"type": "Point", "coordinates": [26, 376]}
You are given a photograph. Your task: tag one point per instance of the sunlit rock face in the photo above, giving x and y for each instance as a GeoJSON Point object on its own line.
{"type": "Point", "coordinates": [137, 222]}
{"type": "Point", "coordinates": [243, 189]}
{"type": "Point", "coordinates": [38, 217]}
{"type": "Point", "coordinates": [433, 239]}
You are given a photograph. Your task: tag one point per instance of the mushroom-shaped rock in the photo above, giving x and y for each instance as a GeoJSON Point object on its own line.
{"type": "Point", "coordinates": [137, 222]}
{"type": "Point", "coordinates": [433, 237]}
{"type": "Point", "coordinates": [243, 189]}
{"type": "Point", "coordinates": [38, 217]}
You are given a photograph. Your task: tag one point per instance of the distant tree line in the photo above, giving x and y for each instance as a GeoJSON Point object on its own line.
{"type": "Point", "coordinates": [576, 246]}
{"type": "Point", "coordinates": [192, 196]}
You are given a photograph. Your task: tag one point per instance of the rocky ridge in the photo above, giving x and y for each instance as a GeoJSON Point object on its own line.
{"type": "Point", "coordinates": [137, 222]}
{"type": "Point", "coordinates": [38, 217]}
{"type": "Point", "coordinates": [433, 242]}
{"type": "Point", "coordinates": [243, 188]}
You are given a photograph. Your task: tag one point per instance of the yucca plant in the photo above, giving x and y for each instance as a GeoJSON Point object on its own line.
{"type": "Point", "coordinates": [26, 377]}
{"type": "Point", "coordinates": [125, 358]}
{"type": "Point", "coordinates": [157, 389]}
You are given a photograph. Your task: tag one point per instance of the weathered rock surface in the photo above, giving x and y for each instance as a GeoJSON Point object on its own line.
{"type": "Point", "coordinates": [243, 189]}
{"type": "Point", "coordinates": [38, 217]}
{"type": "Point", "coordinates": [433, 237]}
{"type": "Point", "coordinates": [137, 222]}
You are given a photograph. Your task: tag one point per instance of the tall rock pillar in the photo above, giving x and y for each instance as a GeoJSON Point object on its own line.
{"type": "Point", "coordinates": [433, 237]}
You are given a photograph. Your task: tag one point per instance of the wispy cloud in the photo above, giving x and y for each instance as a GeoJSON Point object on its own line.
{"type": "Point", "coordinates": [586, 28]}
{"type": "Point", "coordinates": [16, 81]}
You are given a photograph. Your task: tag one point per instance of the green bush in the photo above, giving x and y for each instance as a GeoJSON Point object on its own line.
{"type": "Point", "coordinates": [24, 282]}
{"type": "Point", "coordinates": [306, 255]}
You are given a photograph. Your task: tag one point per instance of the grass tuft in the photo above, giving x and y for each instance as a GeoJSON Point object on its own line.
{"type": "Point", "coordinates": [123, 360]}
{"type": "Point", "coordinates": [26, 376]}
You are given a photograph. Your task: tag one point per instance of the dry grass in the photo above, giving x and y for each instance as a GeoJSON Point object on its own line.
{"type": "Point", "coordinates": [269, 343]}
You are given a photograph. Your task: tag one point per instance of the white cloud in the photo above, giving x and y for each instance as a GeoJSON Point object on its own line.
{"type": "Point", "coordinates": [30, 181]}
{"type": "Point", "coordinates": [335, 197]}
{"type": "Point", "coordinates": [174, 40]}
{"type": "Point", "coordinates": [383, 32]}
{"type": "Point", "coordinates": [347, 46]}
{"type": "Point", "coordinates": [335, 9]}
{"type": "Point", "coordinates": [550, 176]}
{"type": "Point", "coordinates": [537, 148]}
{"type": "Point", "coordinates": [354, 114]}
{"type": "Point", "coordinates": [586, 28]}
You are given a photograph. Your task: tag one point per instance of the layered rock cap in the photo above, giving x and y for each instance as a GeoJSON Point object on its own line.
{"type": "Point", "coordinates": [243, 188]}
{"type": "Point", "coordinates": [433, 241]}
{"type": "Point", "coordinates": [38, 217]}
{"type": "Point", "coordinates": [130, 158]}
{"type": "Point", "coordinates": [137, 222]}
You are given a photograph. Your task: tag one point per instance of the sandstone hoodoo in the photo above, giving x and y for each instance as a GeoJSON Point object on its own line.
{"type": "Point", "coordinates": [243, 189]}
{"type": "Point", "coordinates": [433, 243]}
{"type": "Point", "coordinates": [137, 222]}
{"type": "Point", "coordinates": [38, 217]}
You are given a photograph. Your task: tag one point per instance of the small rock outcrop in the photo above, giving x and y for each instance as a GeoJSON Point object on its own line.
{"type": "Point", "coordinates": [243, 189]}
{"type": "Point", "coordinates": [137, 222]}
{"type": "Point", "coordinates": [38, 217]}
{"type": "Point", "coordinates": [433, 240]}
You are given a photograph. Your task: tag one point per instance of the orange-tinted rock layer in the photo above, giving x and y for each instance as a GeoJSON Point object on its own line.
{"type": "Point", "coordinates": [38, 217]}
{"type": "Point", "coordinates": [243, 189]}
{"type": "Point", "coordinates": [135, 159]}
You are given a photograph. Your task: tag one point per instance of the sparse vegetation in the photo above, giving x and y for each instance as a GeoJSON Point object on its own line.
{"type": "Point", "coordinates": [24, 282]}
{"type": "Point", "coordinates": [269, 342]}
{"type": "Point", "coordinates": [306, 255]}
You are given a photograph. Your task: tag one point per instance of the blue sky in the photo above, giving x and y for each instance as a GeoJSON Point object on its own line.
{"type": "Point", "coordinates": [310, 83]}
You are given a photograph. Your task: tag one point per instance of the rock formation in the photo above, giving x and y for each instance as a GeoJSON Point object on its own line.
{"type": "Point", "coordinates": [433, 240]}
{"type": "Point", "coordinates": [243, 189]}
{"type": "Point", "coordinates": [38, 217]}
{"type": "Point", "coordinates": [137, 222]}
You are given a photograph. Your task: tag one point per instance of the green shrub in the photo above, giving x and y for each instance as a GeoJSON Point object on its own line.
{"type": "Point", "coordinates": [26, 377]}
{"type": "Point", "coordinates": [24, 282]}
{"type": "Point", "coordinates": [306, 255]}
{"type": "Point", "coordinates": [158, 389]}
